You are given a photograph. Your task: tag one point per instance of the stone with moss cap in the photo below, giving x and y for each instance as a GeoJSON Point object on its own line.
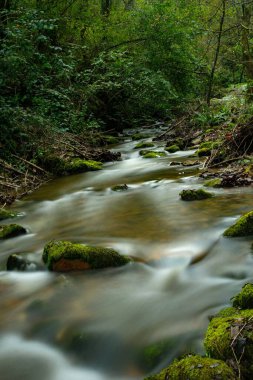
{"type": "Point", "coordinates": [195, 195]}
{"type": "Point", "coordinates": [64, 256]}
{"type": "Point", "coordinates": [77, 165]}
{"type": "Point", "coordinates": [229, 337]}
{"type": "Point", "coordinates": [144, 144]}
{"type": "Point", "coordinates": [172, 148]}
{"type": "Point", "coordinates": [11, 230]}
{"type": "Point", "coordinates": [6, 214]}
{"type": "Point", "coordinates": [151, 154]}
{"type": "Point", "coordinates": [244, 299]}
{"type": "Point", "coordinates": [194, 367]}
{"type": "Point", "coordinates": [243, 226]}
{"type": "Point", "coordinates": [214, 182]}
{"type": "Point", "coordinates": [139, 136]}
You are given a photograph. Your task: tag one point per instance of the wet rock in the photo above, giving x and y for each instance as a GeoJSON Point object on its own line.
{"type": "Point", "coordinates": [111, 139]}
{"type": "Point", "coordinates": [139, 136]}
{"type": "Point", "coordinates": [172, 148]}
{"type": "Point", "coordinates": [78, 165]}
{"type": "Point", "coordinates": [18, 263]}
{"type": "Point", "coordinates": [191, 163]}
{"type": "Point", "coordinates": [120, 187]}
{"type": "Point", "coordinates": [215, 182]}
{"type": "Point", "coordinates": [204, 152]}
{"type": "Point", "coordinates": [144, 145]}
{"type": "Point", "coordinates": [151, 154]}
{"type": "Point", "coordinates": [229, 337]}
{"type": "Point", "coordinates": [11, 230]}
{"type": "Point", "coordinates": [64, 256]}
{"type": "Point", "coordinates": [195, 195]}
{"type": "Point", "coordinates": [6, 214]}
{"type": "Point", "coordinates": [194, 367]}
{"type": "Point", "coordinates": [243, 226]}
{"type": "Point", "coordinates": [176, 163]}
{"type": "Point", "coordinates": [244, 299]}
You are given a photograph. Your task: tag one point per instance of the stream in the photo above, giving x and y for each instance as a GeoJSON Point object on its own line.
{"type": "Point", "coordinates": [103, 325]}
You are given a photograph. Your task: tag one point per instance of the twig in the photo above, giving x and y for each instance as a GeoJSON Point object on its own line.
{"type": "Point", "coordinates": [226, 161]}
{"type": "Point", "coordinates": [10, 167]}
{"type": "Point", "coordinates": [30, 163]}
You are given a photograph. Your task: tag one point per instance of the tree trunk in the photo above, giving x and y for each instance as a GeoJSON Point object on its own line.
{"type": "Point", "coordinates": [217, 52]}
{"type": "Point", "coordinates": [245, 39]}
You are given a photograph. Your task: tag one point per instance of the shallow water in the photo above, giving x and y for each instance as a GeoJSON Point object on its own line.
{"type": "Point", "coordinates": [99, 325]}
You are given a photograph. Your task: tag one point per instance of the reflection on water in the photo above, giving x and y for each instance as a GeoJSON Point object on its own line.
{"type": "Point", "coordinates": [97, 325]}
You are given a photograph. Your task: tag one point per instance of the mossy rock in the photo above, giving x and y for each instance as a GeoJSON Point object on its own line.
{"type": "Point", "coordinates": [11, 230]}
{"type": "Point", "coordinates": [215, 182]}
{"type": "Point", "coordinates": [139, 136]}
{"type": "Point", "coordinates": [243, 226]}
{"type": "Point", "coordinates": [244, 299]}
{"type": "Point", "coordinates": [144, 144]}
{"type": "Point", "coordinates": [230, 336]}
{"type": "Point", "coordinates": [78, 165]}
{"type": "Point", "coordinates": [172, 148]}
{"type": "Point", "coordinates": [204, 152]}
{"type": "Point", "coordinates": [195, 195]}
{"type": "Point", "coordinates": [5, 214]}
{"type": "Point", "coordinates": [155, 353]}
{"type": "Point", "coordinates": [120, 187]}
{"type": "Point", "coordinates": [53, 164]}
{"type": "Point", "coordinates": [194, 367]}
{"type": "Point", "coordinates": [152, 154]}
{"type": "Point", "coordinates": [209, 145]}
{"type": "Point", "coordinates": [110, 140]}
{"type": "Point", "coordinates": [64, 256]}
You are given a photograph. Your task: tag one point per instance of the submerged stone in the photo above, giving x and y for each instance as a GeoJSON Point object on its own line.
{"type": "Point", "coordinates": [195, 195]}
{"type": "Point", "coordinates": [194, 367]}
{"type": "Point", "coordinates": [144, 145]}
{"type": "Point", "coordinates": [243, 226]}
{"type": "Point", "coordinates": [18, 263]}
{"type": "Point", "coordinates": [172, 148]}
{"type": "Point", "coordinates": [11, 230]}
{"type": "Point", "coordinates": [6, 214]}
{"type": "Point", "coordinates": [120, 187]}
{"type": "Point", "coordinates": [244, 299]}
{"type": "Point", "coordinates": [229, 337]}
{"type": "Point", "coordinates": [64, 256]}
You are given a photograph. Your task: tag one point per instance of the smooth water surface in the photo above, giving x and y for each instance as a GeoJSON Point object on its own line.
{"type": "Point", "coordinates": [101, 325]}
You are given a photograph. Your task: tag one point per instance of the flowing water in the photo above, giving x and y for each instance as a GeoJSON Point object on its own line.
{"type": "Point", "coordinates": [103, 325]}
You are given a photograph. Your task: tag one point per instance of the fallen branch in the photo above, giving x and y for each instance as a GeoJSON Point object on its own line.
{"type": "Point", "coordinates": [30, 163]}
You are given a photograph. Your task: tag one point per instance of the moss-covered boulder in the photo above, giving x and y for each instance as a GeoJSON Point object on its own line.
{"type": "Point", "coordinates": [229, 337]}
{"type": "Point", "coordinates": [139, 136]}
{"type": "Point", "coordinates": [64, 256]}
{"type": "Point", "coordinates": [151, 154]}
{"type": "Point", "coordinates": [194, 367]}
{"type": "Point", "coordinates": [195, 195]}
{"type": "Point", "coordinates": [172, 148]}
{"type": "Point", "coordinates": [120, 187]}
{"type": "Point", "coordinates": [244, 299]}
{"type": "Point", "coordinates": [11, 230]}
{"type": "Point", "coordinates": [144, 144]}
{"type": "Point", "coordinates": [215, 182]}
{"type": "Point", "coordinates": [204, 152]}
{"type": "Point", "coordinates": [243, 226]}
{"type": "Point", "coordinates": [6, 214]}
{"type": "Point", "coordinates": [78, 165]}
{"type": "Point", "coordinates": [111, 140]}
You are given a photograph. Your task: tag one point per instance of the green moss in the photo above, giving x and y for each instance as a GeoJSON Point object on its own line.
{"type": "Point", "coordinates": [203, 152]}
{"type": "Point", "coordinates": [111, 139]}
{"type": "Point", "coordinates": [194, 367]}
{"type": "Point", "coordinates": [144, 145]}
{"type": "Point", "coordinates": [195, 195]}
{"type": "Point", "coordinates": [78, 165]}
{"type": "Point", "coordinates": [95, 257]}
{"type": "Point", "coordinates": [209, 145]}
{"type": "Point", "coordinates": [172, 148]}
{"type": "Point", "coordinates": [243, 226]}
{"type": "Point", "coordinates": [139, 136]}
{"type": "Point", "coordinates": [120, 187]}
{"type": "Point", "coordinates": [11, 230]}
{"type": "Point", "coordinates": [53, 164]}
{"type": "Point", "coordinates": [233, 330]}
{"type": "Point", "coordinates": [215, 182]}
{"type": "Point", "coordinates": [155, 353]}
{"type": "Point", "coordinates": [5, 214]}
{"type": "Point", "coordinates": [152, 154]}
{"type": "Point", "coordinates": [244, 299]}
